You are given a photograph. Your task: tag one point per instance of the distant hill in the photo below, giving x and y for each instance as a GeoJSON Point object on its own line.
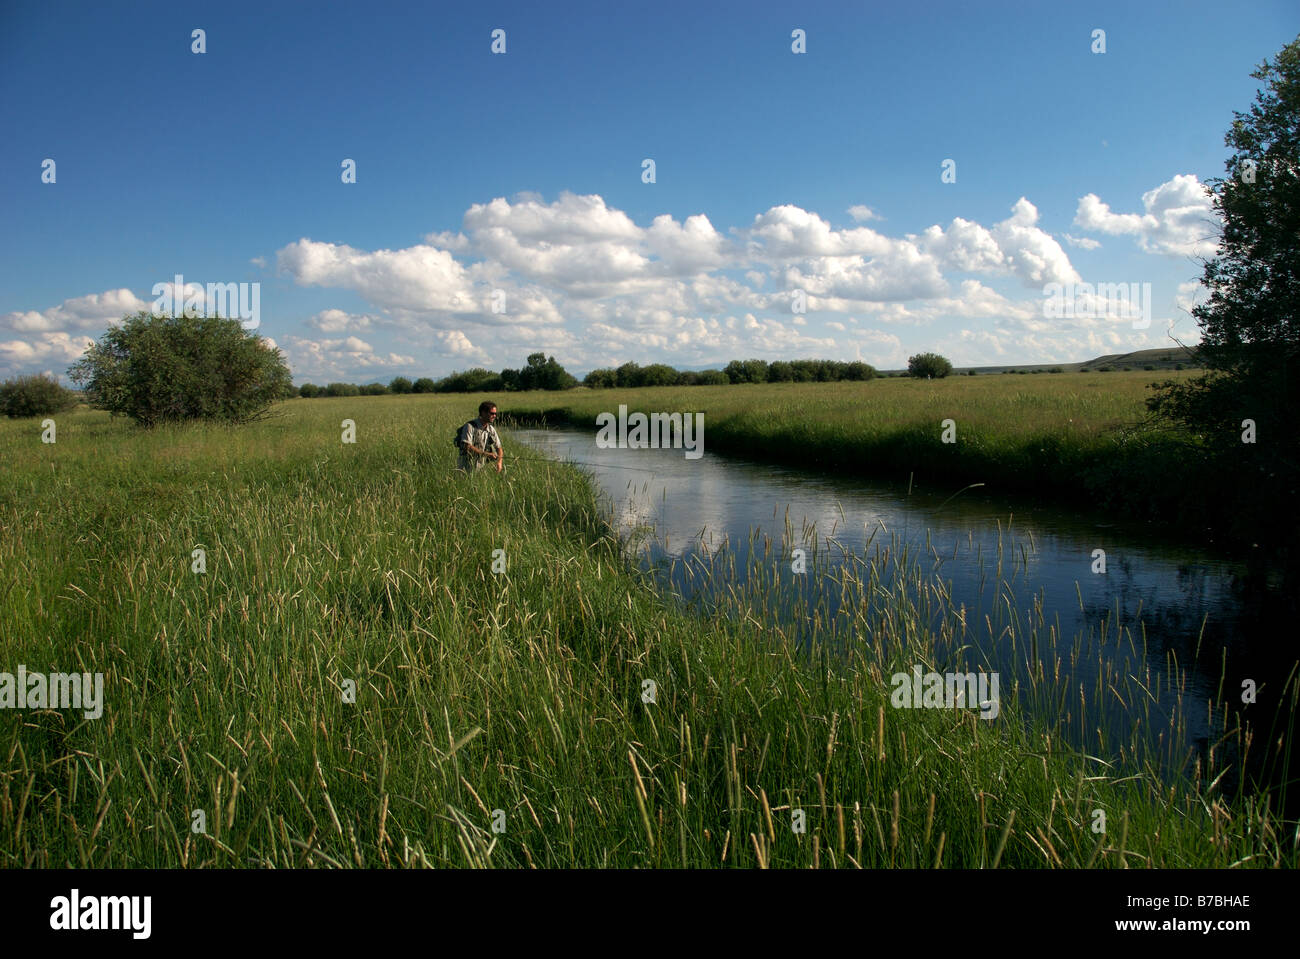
{"type": "Point", "coordinates": [1162, 359]}
{"type": "Point", "coordinates": [1165, 358]}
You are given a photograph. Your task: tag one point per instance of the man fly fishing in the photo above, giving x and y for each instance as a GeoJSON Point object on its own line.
{"type": "Point", "coordinates": [478, 441]}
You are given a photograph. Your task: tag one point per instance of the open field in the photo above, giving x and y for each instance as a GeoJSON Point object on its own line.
{"type": "Point", "coordinates": [371, 564]}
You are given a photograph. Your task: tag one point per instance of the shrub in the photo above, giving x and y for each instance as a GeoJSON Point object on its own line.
{"type": "Point", "coordinates": [601, 379]}
{"type": "Point", "coordinates": [156, 369]}
{"type": "Point", "coordinates": [928, 364]}
{"type": "Point", "coordinates": [400, 384]}
{"type": "Point", "coordinates": [342, 389]}
{"type": "Point", "coordinates": [309, 390]}
{"type": "Point", "coordinates": [34, 396]}
{"type": "Point", "coordinates": [424, 385]}
{"type": "Point", "coordinates": [374, 389]}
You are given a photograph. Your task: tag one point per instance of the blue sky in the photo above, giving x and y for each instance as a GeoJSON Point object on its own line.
{"type": "Point", "coordinates": [518, 178]}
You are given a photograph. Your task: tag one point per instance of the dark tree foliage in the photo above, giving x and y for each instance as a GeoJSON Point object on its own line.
{"type": "Point", "coordinates": [400, 384]}
{"type": "Point", "coordinates": [309, 390]}
{"type": "Point", "coordinates": [477, 380]}
{"type": "Point", "coordinates": [928, 364]}
{"type": "Point", "coordinates": [157, 369]}
{"type": "Point", "coordinates": [658, 374]}
{"type": "Point", "coordinates": [1250, 323]}
{"type": "Point", "coordinates": [631, 375]}
{"type": "Point", "coordinates": [342, 389]}
{"type": "Point", "coordinates": [34, 396]}
{"type": "Point", "coordinates": [702, 378]}
{"type": "Point", "coordinates": [780, 372]}
{"type": "Point", "coordinates": [374, 389]}
{"type": "Point", "coordinates": [817, 371]}
{"type": "Point", "coordinates": [747, 371]}
{"type": "Point", "coordinates": [601, 379]}
{"type": "Point", "coordinates": [627, 375]}
{"type": "Point", "coordinates": [541, 373]}
{"type": "Point", "coordinates": [424, 385]}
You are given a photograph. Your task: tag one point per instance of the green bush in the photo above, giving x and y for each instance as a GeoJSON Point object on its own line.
{"type": "Point", "coordinates": [34, 396]}
{"type": "Point", "coordinates": [156, 369]}
{"type": "Point", "coordinates": [928, 364]}
{"type": "Point", "coordinates": [424, 385]}
{"type": "Point", "coordinates": [374, 389]}
{"type": "Point", "coordinates": [309, 390]}
{"type": "Point", "coordinates": [342, 389]}
{"type": "Point", "coordinates": [400, 384]}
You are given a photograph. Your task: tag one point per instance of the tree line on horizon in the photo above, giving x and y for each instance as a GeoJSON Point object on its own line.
{"type": "Point", "coordinates": [544, 373]}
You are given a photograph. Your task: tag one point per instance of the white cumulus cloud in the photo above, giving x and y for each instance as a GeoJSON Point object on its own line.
{"type": "Point", "coordinates": [94, 311]}
{"type": "Point", "coordinates": [1177, 219]}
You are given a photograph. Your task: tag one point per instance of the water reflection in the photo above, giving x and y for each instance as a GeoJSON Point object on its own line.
{"type": "Point", "coordinates": [1165, 615]}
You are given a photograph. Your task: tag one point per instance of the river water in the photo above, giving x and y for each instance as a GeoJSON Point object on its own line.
{"type": "Point", "coordinates": [1176, 617]}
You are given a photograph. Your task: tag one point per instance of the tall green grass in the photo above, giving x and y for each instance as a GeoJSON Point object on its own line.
{"type": "Point", "coordinates": [475, 692]}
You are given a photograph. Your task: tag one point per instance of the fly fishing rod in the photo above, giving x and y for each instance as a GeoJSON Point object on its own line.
{"type": "Point", "coordinates": [542, 459]}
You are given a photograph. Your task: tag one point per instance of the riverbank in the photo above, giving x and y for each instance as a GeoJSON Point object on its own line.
{"type": "Point", "coordinates": [385, 663]}
{"type": "Point", "coordinates": [1077, 440]}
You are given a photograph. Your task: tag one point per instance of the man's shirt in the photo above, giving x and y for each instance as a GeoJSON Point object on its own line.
{"type": "Point", "coordinates": [483, 436]}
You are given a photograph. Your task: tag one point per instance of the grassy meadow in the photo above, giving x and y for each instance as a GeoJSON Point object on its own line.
{"type": "Point", "coordinates": [332, 565]}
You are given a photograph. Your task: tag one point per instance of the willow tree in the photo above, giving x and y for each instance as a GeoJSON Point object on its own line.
{"type": "Point", "coordinates": [1242, 414]}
